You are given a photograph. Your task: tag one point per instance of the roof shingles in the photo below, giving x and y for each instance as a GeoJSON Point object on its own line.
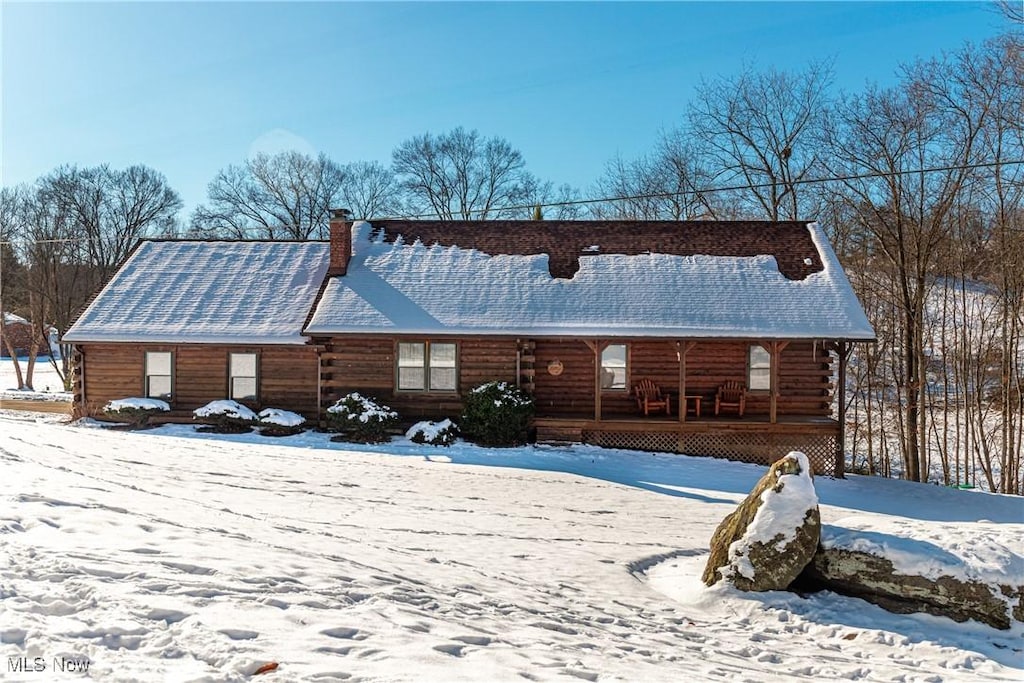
{"type": "Point", "coordinates": [207, 292]}
{"type": "Point", "coordinates": [566, 242]}
{"type": "Point", "coordinates": [496, 278]}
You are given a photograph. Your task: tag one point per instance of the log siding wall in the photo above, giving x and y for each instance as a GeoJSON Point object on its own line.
{"type": "Point", "coordinates": [367, 365]}
{"type": "Point", "coordinates": [287, 375]}
{"type": "Point", "coordinates": [804, 376]}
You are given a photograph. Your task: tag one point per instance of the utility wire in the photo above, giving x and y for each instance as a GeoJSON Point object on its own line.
{"type": "Point", "coordinates": [651, 195]}
{"type": "Point", "coordinates": [731, 188]}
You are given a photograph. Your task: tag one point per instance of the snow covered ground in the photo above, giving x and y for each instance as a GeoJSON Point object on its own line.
{"type": "Point", "coordinates": [45, 379]}
{"type": "Point", "coordinates": [173, 555]}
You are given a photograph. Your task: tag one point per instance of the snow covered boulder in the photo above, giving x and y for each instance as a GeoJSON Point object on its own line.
{"type": "Point", "coordinates": [136, 412]}
{"type": "Point", "coordinates": [961, 571]}
{"type": "Point", "coordinates": [361, 419]}
{"type": "Point", "coordinates": [225, 417]}
{"type": "Point", "coordinates": [277, 422]}
{"type": "Point", "coordinates": [441, 433]}
{"type": "Point", "coordinates": [772, 536]}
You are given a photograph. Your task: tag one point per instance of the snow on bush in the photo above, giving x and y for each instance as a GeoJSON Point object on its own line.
{"type": "Point", "coordinates": [277, 422]}
{"type": "Point", "coordinates": [135, 411]}
{"type": "Point", "coordinates": [497, 414]}
{"type": "Point", "coordinates": [441, 433]}
{"type": "Point", "coordinates": [225, 417]}
{"type": "Point", "coordinates": [359, 418]}
{"type": "Point", "coordinates": [153, 404]}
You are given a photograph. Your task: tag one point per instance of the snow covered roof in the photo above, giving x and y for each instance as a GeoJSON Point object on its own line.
{"type": "Point", "coordinates": [12, 319]}
{"type": "Point", "coordinates": [603, 284]}
{"type": "Point", "coordinates": [207, 292]}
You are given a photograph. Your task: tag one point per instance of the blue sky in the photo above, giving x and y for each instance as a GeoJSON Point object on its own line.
{"type": "Point", "coordinates": [188, 88]}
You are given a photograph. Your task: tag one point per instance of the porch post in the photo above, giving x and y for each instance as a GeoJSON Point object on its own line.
{"type": "Point", "coordinates": [681, 403]}
{"type": "Point", "coordinates": [597, 346]}
{"type": "Point", "coordinates": [844, 355]}
{"type": "Point", "coordinates": [775, 352]}
{"type": "Point", "coordinates": [683, 348]}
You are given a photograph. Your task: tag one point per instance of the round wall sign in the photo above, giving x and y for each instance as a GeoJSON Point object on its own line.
{"type": "Point", "coordinates": [555, 368]}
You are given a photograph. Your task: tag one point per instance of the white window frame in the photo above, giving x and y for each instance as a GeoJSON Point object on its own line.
{"type": "Point", "coordinates": [427, 365]}
{"type": "Point", "coordinates": [609, 371]}
{"type": "Point", "coordinates": [149, 372]}
{"type": "Point", "coordinates": [233, 376]}
{"type": "Point", "coordinates": [761, 380]}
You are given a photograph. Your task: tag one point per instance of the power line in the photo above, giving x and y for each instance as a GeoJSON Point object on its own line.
{"type": "Point", "coordinates": [651, 195]}
{"type": "Point", "coordinates": [733, 188]}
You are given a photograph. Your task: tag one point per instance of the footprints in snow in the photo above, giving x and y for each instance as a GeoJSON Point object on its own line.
{"type": "Point", "coordinates": [169, 616]}
{"type": "Point", "coordinates": [239, 633]}
{"type": "Point", "coordinates": [344, 633]}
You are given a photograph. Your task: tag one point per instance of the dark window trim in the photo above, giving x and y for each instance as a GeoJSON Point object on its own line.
{"type": "Point", "coordinates": [426, 390]}
{"type": "Point", "coordinates": [146, 374]}
{"type": "Point", "coordinates": [628, 385]}
{"type": "Point", "coordinates": [251, 402]}
{"type": "Point", "coordinates": [767, 389]}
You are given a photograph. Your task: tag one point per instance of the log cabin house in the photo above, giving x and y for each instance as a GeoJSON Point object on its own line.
{"type": "Point", "coordinates": [577, 313]}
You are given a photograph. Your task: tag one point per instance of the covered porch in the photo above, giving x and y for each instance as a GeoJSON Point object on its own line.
{"type": "Point", "coordinates": [588, 395]}
{"type": "Point", "coordinates": [753, 439]}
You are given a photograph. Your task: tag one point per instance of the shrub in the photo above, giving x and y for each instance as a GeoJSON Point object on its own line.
{"type": "Point", "coordinates": [225, 417]}
{"type": "Point", "coordinates": [441, 433]}
{"type": "Point", "coordinates": [360, 419]}
{"type": "Point", "coordinates": [134, 411]}
{"type": "Point", "coordinates": [277, 422]}
{"type": "Point", "coordinates": [497, 414]}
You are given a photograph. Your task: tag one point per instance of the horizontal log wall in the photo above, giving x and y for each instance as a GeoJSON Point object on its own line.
{"type": "Point", "coordinates": [367, 365]}
{"type": "Point", "coordinates": [572, 391]}
{"type": "Point", "coordinates": [804, 376]}
{"type": "Point", "coordinates": [287, 375]}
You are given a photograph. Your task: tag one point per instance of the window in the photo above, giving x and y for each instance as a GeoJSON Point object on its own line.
{"type": "Point", "coordinates": [426, 366]}
{"type": "Point", "coordinates": [759, 369]}
{"type": "Point", "coordinates": [242, 376]}
{"type": "Point", "coordinates": [158, 374]}
{"type": "Point", "coordinates": [613, 367]}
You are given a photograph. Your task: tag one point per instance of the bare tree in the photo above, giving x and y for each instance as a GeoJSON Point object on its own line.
{"type": "Point", "coordinates": [284, 196]}
{"type": "Point", "coordinates": [11, 270]}
{"type": "Point", "coordinates": [762, 129]}
{"type": "Point", "coordinates": [997, 74]}
{"type": "Point", "coordinates": [671, 183]}
{"type": "Point", "coordinates": [370, 189]}
{"type": "Point", "coordinates": [71, 230]}
{"type": "Point", "coordinates": [462, 175]}
{"type": "Point", "coordinates": [111, 209]}
{"type": "Point", "coordinates": [932, 119]}
{"type": "Point", "coordinates": [557, 203]}
{"type": "Point", "coordinates": [1012, 10]}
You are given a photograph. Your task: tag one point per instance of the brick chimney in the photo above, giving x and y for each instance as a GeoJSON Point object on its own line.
{"type": "Point", "coordinates": [341, 242]}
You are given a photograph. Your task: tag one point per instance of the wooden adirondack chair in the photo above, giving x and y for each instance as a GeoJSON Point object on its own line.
{"type": "Point", "coordinates": [649, 398]}
{"type": "Point", "coordinates": [731, 395]}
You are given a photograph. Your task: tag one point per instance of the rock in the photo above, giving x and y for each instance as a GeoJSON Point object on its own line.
{"type": "Point", "coordinates": [872, 578]}
{"type": "Point", "coordinates": [771, 537]}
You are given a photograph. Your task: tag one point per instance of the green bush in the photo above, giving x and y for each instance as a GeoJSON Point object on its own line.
{"type": "Point", "coordinates": [441, 433]}
{"type": "Point", "coordinates": [135, 412]}
{"type": "Point", "coordinates": [225, 417]}
{"type": "Point", "coordinates": [277, 422]}
{"type": "Point", "coordinates": [497, 414]}
{"type": "Point", "coordinates": [358, 418]}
